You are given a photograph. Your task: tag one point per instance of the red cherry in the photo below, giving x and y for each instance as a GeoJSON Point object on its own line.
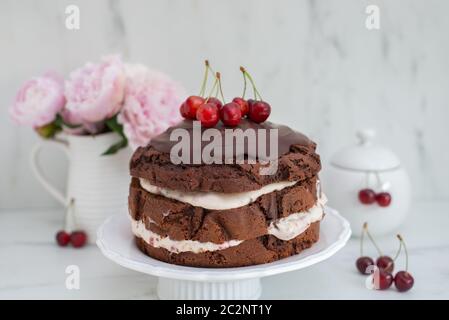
{"type": "Point", "coordinates": [190, 106]}
{"type": "Point", "coordinates": [208, 115]}
{"type": "Point", "coordinates": [383, 199]}
{"type": "Point", "coordinates": [363, 263]}
{"type": "Point", "coordinates": [62, 238]}
{"type": "Point", "coordinates": [259, 111]}
{"type": "Point", "coordinates": [385, 279]}
{"type": "Point", "coordinates": [215, 101]}
{"type": "Point", "coordinates": [367, 196]}
{"type": "Point", "coordinates": [78, 239]}
{"type": "Point", "coordinates": [184, 109]}
{"type": "Point", "coordinates": [385, 263]}
{"type": "Point", "coordinates": [231, 114]}
{"type": "Point", "coordinates": [250, 103]}
{"type": "Point", "coordinates": [244, 106]}
{"type": "Point", "coordinates": [403, 281]}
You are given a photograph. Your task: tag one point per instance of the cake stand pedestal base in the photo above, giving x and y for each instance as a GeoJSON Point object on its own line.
{"type": "Point", "coordinates": [116, 242]}
{"type": "Point", "coordinates": [173, 289]}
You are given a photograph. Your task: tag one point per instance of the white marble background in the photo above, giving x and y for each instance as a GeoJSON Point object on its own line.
{"type": "Point", "coordinates": [323, 72]}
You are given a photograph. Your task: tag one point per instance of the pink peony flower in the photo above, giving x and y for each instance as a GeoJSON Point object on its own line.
{"type": "Point", "coordinates": [94, 92]}
{"type": "Point", "coordinates": [151, 104]}
{"type": "Point", "coordinates": [38, 101]}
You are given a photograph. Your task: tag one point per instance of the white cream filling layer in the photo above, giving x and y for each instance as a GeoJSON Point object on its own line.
{"type": "Point", "coordinates": [285, 229]}
{"type": "Point", "coordinates": [294, 224]}
{"type": "Point", "coordinates": [177, 246]}
{"type": "Point", "coordinates": [215, 200]}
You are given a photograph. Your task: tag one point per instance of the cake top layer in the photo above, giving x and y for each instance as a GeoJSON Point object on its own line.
{"type": "Point", "coordinates": [287, 137]}
{"type": "Point", "coordinates": [297, 161]}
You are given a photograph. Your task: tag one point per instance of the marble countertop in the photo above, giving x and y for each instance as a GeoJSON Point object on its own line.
{"type": "Point", "coordinates": [32, 266]}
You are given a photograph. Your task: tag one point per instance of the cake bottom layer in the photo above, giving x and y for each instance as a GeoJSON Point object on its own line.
{"type": "Point", "coordinates": [250, 252]}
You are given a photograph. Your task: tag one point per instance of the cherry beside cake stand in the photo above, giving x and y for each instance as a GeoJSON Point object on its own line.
{"type": "Point", "coordinates": [116, 241]}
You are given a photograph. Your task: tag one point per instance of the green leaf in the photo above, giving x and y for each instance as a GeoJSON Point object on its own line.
{"type": "Point", "coordinates": [116, 147]}
{"type": "Point", "coordinates": [116, 127]}
{"type": "Point", "coordinates": [49, 130]}
{"type": "Point", "coordinates": [113, 124]}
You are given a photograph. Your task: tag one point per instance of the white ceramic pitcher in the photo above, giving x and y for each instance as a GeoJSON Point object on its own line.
{"type": "Point", "coordinates": [97, 185]}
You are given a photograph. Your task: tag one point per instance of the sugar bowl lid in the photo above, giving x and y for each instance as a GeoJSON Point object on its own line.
{"type": "Point", "coordinates": [366, 155]}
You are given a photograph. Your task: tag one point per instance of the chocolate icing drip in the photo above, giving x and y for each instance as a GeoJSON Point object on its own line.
{"type": "Point", "coordinates": [287, 137]}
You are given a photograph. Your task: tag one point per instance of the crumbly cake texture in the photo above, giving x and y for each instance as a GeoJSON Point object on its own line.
{"type": "Point", "coordinates": [260, 250]}
{"type": "Point", "coordinates": [185, 222]}
{"type": "Point", "coordinates": [297, 161]}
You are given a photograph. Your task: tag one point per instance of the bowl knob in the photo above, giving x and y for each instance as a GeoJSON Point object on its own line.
{"type": "Point", "coordinates": [366, 136]}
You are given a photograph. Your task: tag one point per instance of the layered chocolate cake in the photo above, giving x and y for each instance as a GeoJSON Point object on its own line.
{"type": "Point", "coordinates": [226, 214]}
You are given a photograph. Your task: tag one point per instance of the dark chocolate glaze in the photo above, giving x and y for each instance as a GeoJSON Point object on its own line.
{"type": "Point", "coordinates": [286, 138]}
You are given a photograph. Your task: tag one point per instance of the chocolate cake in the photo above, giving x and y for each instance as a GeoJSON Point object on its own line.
{"type": "Point", "coordinates": [226, 214]}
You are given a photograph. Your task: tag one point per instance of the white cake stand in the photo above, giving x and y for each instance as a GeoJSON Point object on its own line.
{"type": "Point", "coordinates": [116, 242]}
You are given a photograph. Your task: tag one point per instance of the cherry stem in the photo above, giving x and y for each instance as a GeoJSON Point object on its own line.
{"type": "Point", "coordinates": [212, 71]}
{"type": "Point", "coordinates": [218, 75]}
{"type": "Point", "coordinates": [213, 75]}
{"type": "Point", "coordinates": [406, 252]}
{"type": "Point", "coordinates": [216, 91]}
{"type": "Point", "coordinates": [244, 84]}
{"type": "Point", "coordinates": [206, 72]}
{"type": "Point", "coordinates": [213, 88]}
{"type": "Point", "coordinates": [398, 252]}
{"type": "Point", "coordinates": [256, 92]}
{"type": "Point", "coordinates": [365, 227]}
{"type": "Point", "coordinates": [218, 87]}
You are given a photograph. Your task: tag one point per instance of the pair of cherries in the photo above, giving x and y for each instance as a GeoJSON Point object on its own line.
{"type": "Point", "coordinates": [209, 111]}
{"type": "Point", "coordinates": [368, 196]}
{"type": "Point", "coordinates": [383, 269]}
{"type": "Point", "coordinates": [77, 238]}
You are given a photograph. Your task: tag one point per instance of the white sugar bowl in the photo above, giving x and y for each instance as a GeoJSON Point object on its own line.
{"type": "Point", "coordinates": [378, 172]}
